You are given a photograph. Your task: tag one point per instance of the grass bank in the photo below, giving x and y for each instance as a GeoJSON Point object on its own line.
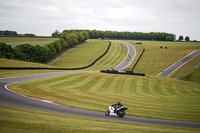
{"type": "Point", "coordinates": [192, 76]}
{"type": "Point", "coordinates": [84, 55]}
{"type": "Point", "coordinates": [151, 97]}
{"type": "Point", "coordinates": [19, 120]}
{"type": "Point", "coordinates": [154, 60]}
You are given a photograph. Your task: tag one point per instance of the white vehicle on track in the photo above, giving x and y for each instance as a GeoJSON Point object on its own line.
{"type": "Point", "coordinates": [116, 110]}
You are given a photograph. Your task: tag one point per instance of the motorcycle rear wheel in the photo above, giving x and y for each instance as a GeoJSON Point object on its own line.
{"type": "Point", "coordinates": [121, 113]}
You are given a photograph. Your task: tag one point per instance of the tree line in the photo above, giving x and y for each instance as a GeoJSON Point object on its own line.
{"type": "Point", "coordinates": [96, 34]}
{"type": "Point", "coordinates": [15, 34]}
{"type": "Point", "coordinates": [43, 54]}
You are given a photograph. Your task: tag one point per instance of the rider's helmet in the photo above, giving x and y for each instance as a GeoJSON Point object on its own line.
{"type": "Point", "coordinates": [118, 103]}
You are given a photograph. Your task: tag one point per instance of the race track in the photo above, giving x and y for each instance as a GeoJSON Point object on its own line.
{"type": "Point", "coordinates": [11, 98]}
{"type": "Point", "coordinates": [129, 58]}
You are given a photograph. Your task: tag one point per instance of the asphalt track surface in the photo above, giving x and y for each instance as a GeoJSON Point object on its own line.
{"type": "Point", "coordinates": [178, 64]}
{"type": "Point", "coordinates": [8, 97]}
{"type": "Point", "coordinates": [129, 58]}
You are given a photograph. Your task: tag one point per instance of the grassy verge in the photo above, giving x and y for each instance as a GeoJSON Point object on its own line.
{"type": "Point", "coordinates": [152, 97]}
{"type": "Point", "coordinates": [19, 120]}
{"type": "Point", "coordinates": [154, 60]}
{"type": "Point", "coordinates": [192, 76]}
{"type": "Point", "coordinates": [13, 41]}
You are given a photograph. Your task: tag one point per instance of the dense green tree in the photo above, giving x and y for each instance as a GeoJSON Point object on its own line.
{"type": "Point", "coordinates": [63, 43]}
{"type": "Point", "coordinates": [57, 46]}
{"type": "Point", "coordinates": [56, 34]}
{"type": "Point", "coordinates": [8, 33]}
{"type": "Point", "coordinates": [26, 51]}
{"type": "Point", "coordinates": [64, 35]}
{"type": "Point", "coordinates": [169, 38]}
{"type": "Point", "coordinates": [6, 51]}
{"type": "Point", "coordinates": [29, 35]}
{"type": "Point", "coordinates": [72, 39]}
{"type": "Point", "coordinates": [81, 37]}
{"type": "Point", "coordinates": [40, 54]}
{"type": "Point", "coordinates": [187, 38]}
{"type": "Point", "coordinates": [95, 34]}
{"type": "Point", "coordinates": [180, 38]}
{"type": "Point", "coordinates": [52, 50]}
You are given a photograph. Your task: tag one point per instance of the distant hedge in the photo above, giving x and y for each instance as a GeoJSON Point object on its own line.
{"type": "Point", "coordinates": [42, 54]}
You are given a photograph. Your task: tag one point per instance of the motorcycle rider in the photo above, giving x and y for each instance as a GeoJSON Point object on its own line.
{"type": "Point", "coordinates": [118, 105]}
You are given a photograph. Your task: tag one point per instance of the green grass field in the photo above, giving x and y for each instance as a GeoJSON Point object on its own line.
{"type": "Point", "coordinates": [13, 41]}
{"type": "Point", "coordinates": [154, 60]}
{"type": "Point", "coordinates": [19, 120]}
{"type": "Point", "coordinates": [83, 55]}
{"type": "Point", "coordinates": [152, 97]}
{"type": "Point", "coordinates": [86, 54]}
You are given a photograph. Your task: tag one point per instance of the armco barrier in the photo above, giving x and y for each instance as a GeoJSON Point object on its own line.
{"type": "Point", "coordinates": [137, 60]}
{"type": "Point", "coordinates": [33, 68]}
{"type": "Point", "coordinates": [122, 72]}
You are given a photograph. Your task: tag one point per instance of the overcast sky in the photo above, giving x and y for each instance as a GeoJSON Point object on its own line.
{"type": "Point", "coordinates": [43, 17]}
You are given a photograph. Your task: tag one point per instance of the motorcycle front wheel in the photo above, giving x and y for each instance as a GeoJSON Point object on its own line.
{"type": "Point", "coordinates": [107, 113]}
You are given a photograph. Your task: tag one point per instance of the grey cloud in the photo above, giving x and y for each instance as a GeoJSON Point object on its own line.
{"type": "Point", "coordinates": [43, 17]}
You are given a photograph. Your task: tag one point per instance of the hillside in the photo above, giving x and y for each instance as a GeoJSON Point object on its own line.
{"type": "Point", "coordinates": [155, 59]}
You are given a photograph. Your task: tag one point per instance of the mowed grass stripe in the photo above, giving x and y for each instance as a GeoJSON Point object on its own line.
{"type": "Point", "coordinates": [98, 85]}
{"type": "Point", "coordinates": [115, 56]}
{"type": "Point", "coordinates": [106, 59]}
{"type": "Point", "coordinates": [145, 96]}
{"type": "Point", "coordinates": [127, 86]}
{"type": "Point", "coordinates": [83, 55]}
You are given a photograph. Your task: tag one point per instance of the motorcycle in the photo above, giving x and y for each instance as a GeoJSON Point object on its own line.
{"type": "Point", "coordinates": [116, 111]}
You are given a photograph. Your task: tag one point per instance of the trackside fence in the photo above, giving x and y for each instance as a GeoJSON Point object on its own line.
{"type": "Point", "coordinates": [137, 59]}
